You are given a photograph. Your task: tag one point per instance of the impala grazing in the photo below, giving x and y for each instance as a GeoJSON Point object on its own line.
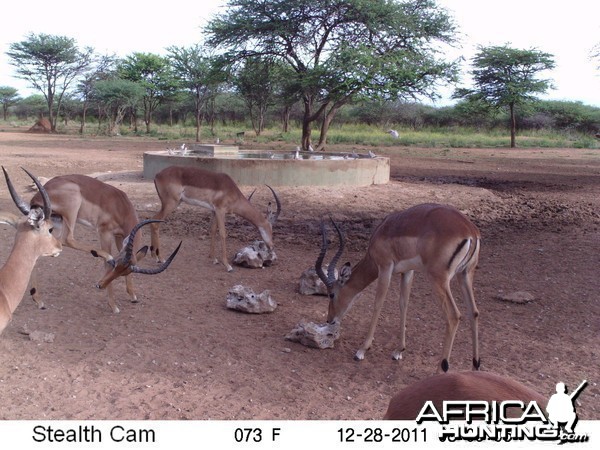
{"type": "Point", "coordinates": [435, 239]}
{"type": "Point", "coordinates": [215, 191]}
{"type": "Point", "coordinates": [457, 387]}
{"type": "Point", "coordinates": [108, 210]}
{"type": "Point", "coordinates": [33, 239]}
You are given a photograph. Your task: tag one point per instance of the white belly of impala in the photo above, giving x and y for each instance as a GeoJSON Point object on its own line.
{"type": "Point", "coordinates": [408, 264]}
{"type": "Point", "coordinates": [197, 202]}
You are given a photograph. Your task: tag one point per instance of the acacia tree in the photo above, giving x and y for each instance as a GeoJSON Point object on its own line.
{"type": "Point", "coordinates": [115, 97]}
{"type": "Point", "coordinates": [154, 74]}
{"type": "Point", "coordinates": [102, 68]}
{"type": "Point", "coordinates": [258, 82]}
{"type": "Point", "coordinates": [196, 72]}
{"type": "Point", "coordinates": [340, 49]}
{"type": "Point", "coordinates": [50, 64]}
{"type": "Point", "coordinates": [506, 77]}
{"type": "Point", "coordinates": [9, 96]}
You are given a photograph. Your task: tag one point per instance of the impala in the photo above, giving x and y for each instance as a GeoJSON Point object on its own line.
{"type": "Point", "coordinates": [108, 210]}
{"type": "Point", "coordinates": [435, 239]}
{"type": "Point", "coordinates": [457, 387]}
{"type": "Point", "coordinates": [215, 191]}
{"type": "Point", "coordinates": [33, 239]}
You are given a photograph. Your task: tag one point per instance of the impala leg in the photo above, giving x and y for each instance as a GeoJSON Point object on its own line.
{"type": "Point", "coordinates": [111, 298]}
{"type": "Point", "coordinates": [74, 244]}
{"type": "Point", "coordinates": [406, 280]}
{"type": "Point", "coordinates": [213, 238]}
{"type": "Point", "coordinates": [33, 290]}
{"type": "Point", "coordinates": [452, 319]}
{"type": "Point", "coordinates": [383, 284]}
{"type": "Point", "coordinates": [155, 240]}
{"type": "Point", "coordinates": [106, 245]}
{"type": "Point", "coordinates": [220, 219]}
{"type": "Point", "coordinates": [465, 280]}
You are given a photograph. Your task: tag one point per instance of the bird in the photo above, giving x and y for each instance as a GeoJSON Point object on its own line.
{"type": "Point", "coordinates": [310, 148]}
{"type": "Point", "coordinates": [394, 134]}
{"type": "Point", "coordinates": [371, 154]}
{"type": "Point", "coordinates": [183, 149]}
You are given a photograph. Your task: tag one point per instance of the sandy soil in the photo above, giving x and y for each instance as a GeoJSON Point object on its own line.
{"type": "Point", "coordinates": [180, 354]}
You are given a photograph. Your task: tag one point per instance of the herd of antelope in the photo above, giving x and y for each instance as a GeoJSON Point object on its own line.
{"type": "Point", "coordinates": [437, 240]}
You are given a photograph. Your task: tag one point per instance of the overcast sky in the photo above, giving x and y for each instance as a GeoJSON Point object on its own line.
{"type": "Point", "coordinates": [566, 30]}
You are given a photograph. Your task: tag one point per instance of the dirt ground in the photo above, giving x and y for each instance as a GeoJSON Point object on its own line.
{"type": "Point", "coordinates": [181, 354]}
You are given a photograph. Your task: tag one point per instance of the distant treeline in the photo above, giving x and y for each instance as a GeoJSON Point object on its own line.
{"type": "Point", "coordinates": [230, 109]}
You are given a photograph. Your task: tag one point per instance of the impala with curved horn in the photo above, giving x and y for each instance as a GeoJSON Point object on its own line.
{"type": "Point", "coordinates": [435, 239]}
{"type": "Point", "coordinates": [215, 191]}
{"type": "Point", "coordinates": [33, 239]}
{"type": "Point", "coordinates": [108, 210]}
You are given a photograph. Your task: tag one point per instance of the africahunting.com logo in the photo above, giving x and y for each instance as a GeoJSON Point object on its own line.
{"type": "Point", "coordinates": [510, 420]}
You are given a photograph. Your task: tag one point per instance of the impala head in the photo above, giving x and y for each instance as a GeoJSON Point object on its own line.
{"type": "Point", "coordinates": [338, 303]}
{"type": "Point", "coordinates": [266, 231]}
{"type": "Point", "coordinates": [38, 219]}
{"type": "Point", "coordinates": [125, 263]}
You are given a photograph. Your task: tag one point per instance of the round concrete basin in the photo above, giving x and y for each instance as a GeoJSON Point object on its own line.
{"type": "Point", "coordinates": [277, 168]}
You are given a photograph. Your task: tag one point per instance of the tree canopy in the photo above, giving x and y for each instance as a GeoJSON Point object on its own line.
{"type": "Point", "coordinates": [154, 74]}
{"type": "Point", "coordinates": [507, 77]}
{"type": "Point", "coordinates": [9, 96]}
{"type": "Point", "coordinates": [341, 49]}
{"type": "Point", "coordinates": [50, 64]}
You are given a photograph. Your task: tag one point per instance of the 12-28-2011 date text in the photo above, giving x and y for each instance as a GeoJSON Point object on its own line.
{"type": "Point", "coordinates": [409, 435]}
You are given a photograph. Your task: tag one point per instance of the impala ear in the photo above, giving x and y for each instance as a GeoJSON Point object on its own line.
{"type": "Point", "coordinates": [141, 253]}
{"type": "Point", "coordinates": [345, 272]}
{"type": "Point", "coordinates": [36, 217]}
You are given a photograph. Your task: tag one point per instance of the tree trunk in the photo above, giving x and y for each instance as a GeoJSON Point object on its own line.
{"type": "Point", "coordinates": [513, 126]}
{"type": "Point", "coordinates": [285, 117]}
{"type": "Point", "coordinates": [83, 117]}
{"type": "Point", "coordinates": [325, 126]}
{"type": "Point", "coordinates": [306, 121]}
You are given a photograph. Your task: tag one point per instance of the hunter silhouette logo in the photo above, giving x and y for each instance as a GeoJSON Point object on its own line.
{"type": "Point", "coordinates": [561, 407]}
{"type": "Point", "coordinates": [479, 420]}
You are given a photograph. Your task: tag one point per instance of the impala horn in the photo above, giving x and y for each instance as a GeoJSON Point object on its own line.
{"type": "Point", "coordinates": [273, 216]}
{"type": "Point", "coordinates": [330, 278]}
{"type": "Point", "coordinates": [129, 251]}
{"type": "Point", "coordinates": [21, 204]}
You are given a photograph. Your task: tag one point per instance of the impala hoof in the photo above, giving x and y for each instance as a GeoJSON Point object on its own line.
{"type": "Point", "coordinates": [359, 356]}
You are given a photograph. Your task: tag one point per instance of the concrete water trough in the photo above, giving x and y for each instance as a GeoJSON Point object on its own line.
{"type": "Point", "coordinates": [275, 168]}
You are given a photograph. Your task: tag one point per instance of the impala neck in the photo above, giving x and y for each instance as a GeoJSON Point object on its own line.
{"type": "Point", "coordinates": [14, 276]}
{"type": "Point", "coordinates": [246, 210]}
{"type": "Point", "coordinates": [363, 274]}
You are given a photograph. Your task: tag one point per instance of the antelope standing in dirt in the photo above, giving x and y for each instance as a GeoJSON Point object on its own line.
{"type": "Point", "coordinates": [435, 239]}
{"type": "Point", "coordinates": [216, 192]}
{"type": "Point", "coordinates": [108, 210]}
{"type": "Point", "coordinates": [33, 239]}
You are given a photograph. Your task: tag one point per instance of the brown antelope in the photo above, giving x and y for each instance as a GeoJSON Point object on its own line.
{"type": "Point", "coordinates": [460, 386]}
{"type": "Point", "coordinates": [215, 191]}
{"type": "Point", "coordinates": [33, 239]}
{"type": "Point", "coordinates": [108, 210]}
{"type": "Point", "coordinates": [435, 239]}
